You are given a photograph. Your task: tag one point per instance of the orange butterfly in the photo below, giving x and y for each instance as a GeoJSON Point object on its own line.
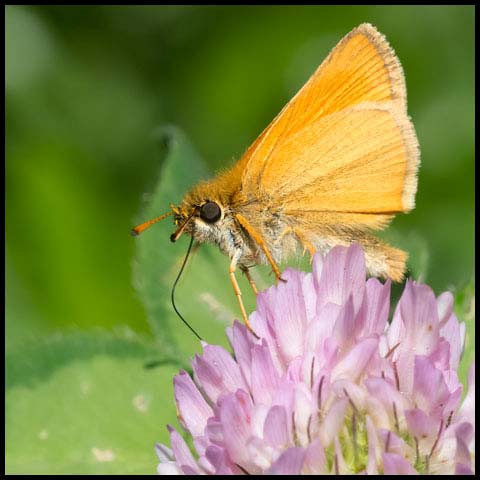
{"type": "Point", "coordinates": [338, 161]}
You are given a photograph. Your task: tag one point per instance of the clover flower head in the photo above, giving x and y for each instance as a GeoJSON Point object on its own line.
{"type": "Point", "coordinates": [330, 386]}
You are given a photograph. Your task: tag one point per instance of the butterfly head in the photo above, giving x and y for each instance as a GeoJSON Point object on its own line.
{"type": "Point", "coordinates": [201, 219]}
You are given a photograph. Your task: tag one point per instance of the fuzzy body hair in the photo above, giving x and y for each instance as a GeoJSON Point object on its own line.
{"type": "Point", "coordinates": [228, 234]}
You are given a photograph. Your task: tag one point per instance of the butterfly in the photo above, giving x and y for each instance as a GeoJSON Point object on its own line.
{"type": "Point", "coordinates": [339, 161]}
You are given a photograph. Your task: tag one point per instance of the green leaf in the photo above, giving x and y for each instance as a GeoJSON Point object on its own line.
{"type": "Point", "coordinates": [87, 404]}
{"type": "Point", "coordinates": [35, 361]}
{"type": "Point", "coordinates": [465, 310]}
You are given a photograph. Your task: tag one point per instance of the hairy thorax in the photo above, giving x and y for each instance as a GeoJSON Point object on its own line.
{"type": "Point", "coordinates": [234, 241]}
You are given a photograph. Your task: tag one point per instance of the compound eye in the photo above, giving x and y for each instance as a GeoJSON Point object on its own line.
{"type": "Point", "coordinates": [210, 212]}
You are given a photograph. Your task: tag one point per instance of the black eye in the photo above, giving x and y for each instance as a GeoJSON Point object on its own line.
{"type": "Point", "coordinates": [210, 212]}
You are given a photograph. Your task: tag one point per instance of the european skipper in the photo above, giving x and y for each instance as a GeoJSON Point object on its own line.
{"type": "Point", "coordinates": [339, 161]}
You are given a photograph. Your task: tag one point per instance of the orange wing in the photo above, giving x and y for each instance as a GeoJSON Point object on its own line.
{"type": "Point", "coordinates": [314, 140]}
{"type": "Point", "coordinates": [361, 159]}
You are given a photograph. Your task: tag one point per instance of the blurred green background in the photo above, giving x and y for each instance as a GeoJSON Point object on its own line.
{"type": "Point", "coordinates": [87, 89]}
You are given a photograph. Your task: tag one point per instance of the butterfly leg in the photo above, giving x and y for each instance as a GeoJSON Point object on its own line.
{"type": "Point", "coordinates": [250, 280]}
{"type": "Point", "coordinates": [259, 240]}
{"type": "Point", "coordinates": [238, 293]}
{"type": "Point", "coordinates": [307, 245]}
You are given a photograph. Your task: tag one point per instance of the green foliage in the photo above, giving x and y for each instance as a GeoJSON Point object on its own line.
{"type": "Point", "coordinates": [465, 310]}
{"type": "Point", "coordinates": [75, 399]}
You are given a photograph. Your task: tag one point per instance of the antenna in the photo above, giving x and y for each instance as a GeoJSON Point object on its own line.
{"type": "Point", "coordinates": [140, 228]}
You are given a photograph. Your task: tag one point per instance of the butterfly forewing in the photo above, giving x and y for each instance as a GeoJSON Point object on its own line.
{"type": "Point", "coordinates": [361, 68]}
{"type": "Point", "coordinates": [355, 160]}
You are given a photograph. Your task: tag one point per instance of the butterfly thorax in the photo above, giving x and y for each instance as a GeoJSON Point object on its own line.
{"type": "Point", "coordinates": [226, 231]}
